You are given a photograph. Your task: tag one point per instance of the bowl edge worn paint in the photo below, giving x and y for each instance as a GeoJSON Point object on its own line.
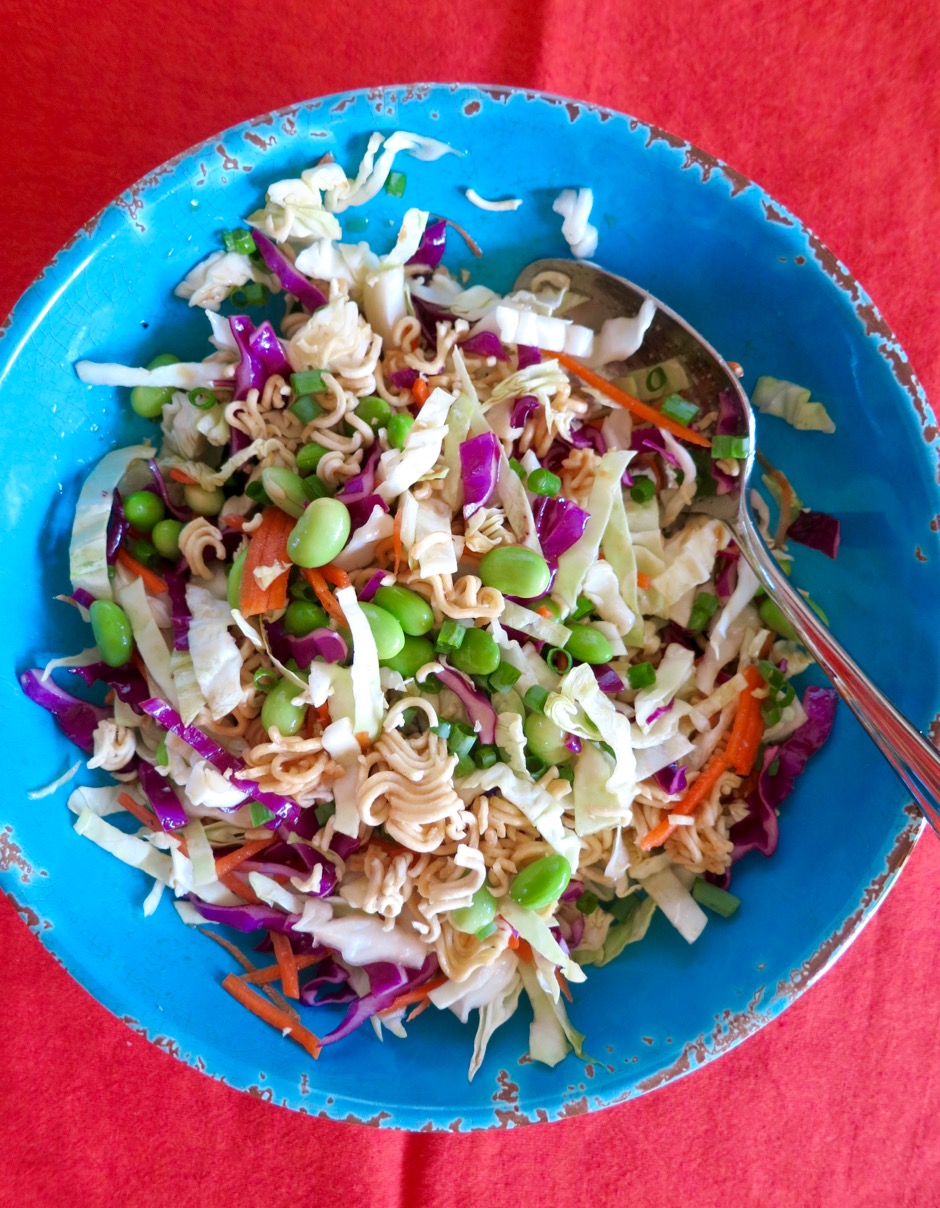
{"type": "Point", "coordinates": [505, 1101]}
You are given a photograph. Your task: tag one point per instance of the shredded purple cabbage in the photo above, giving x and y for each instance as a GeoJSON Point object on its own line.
{"type": "Point", "coordinates": [367, 593]}
{"type": "Point", "coordinates": [176, 580]}
{"type": "Point", "coordinates": [429, 314]}
{"type": "Point", "coordinates": [485, 344]}
{"type": "Point", "coordinates": [321, 643]}
{"type": "Point", "coordinates": [474, 700]}
{"type": "Point", "coordinates": [265, 344]}
{"type": "Point", "coordinates": [403, 379]}
{"type": "Point", "coordinates": [586, 436]}
{"type": "Point", "coordinates": [363, 483]}
{"type": "Point", "coordinates": [83, 597]}
{"type": "Point", "coordinates": [261, 354]}
{"type": "Point", "coordinates": [433, 244]}
{"type": "Point", "coordinates": [330, 976]}
{"type": "Point", "coordinates": [573, 743]}
{"type": "Point", "coordinates": [608, 680]}
{"type": "Point", "coordinates": [127, 682]}
{"type": "Point", "coordinates": [360, 510]}
{"type": "Point", "coordinates": [817, 530]}
{"type": "Point", "coordinates": [726, 577]}
{"type": "Point", "coordinates": [731, 418]}
{"type": "Point", "coordinates": [77, 718]}
{"type": "Point", "coordinates": [560, 524]}
{"type": "Point", "coordinates": [671, 779]}
{"type": "Point", "coordinates": [527, 355]}
{"type": "Point", "coordinates": [479, 461]}
{"type": "Point", "coordinates": [521, 410]}
{"type": "Point", "coordinates": [247, 917]}
{"type": "Point", "coordinates": [652, 440]}
{"type": "Point", "coordinates": [159, 792]}
{"type": "Point", "coordinates": [291, 280]}
{"type": "Point", "coordinates": [176, 511]}
{"type": "Point", "coordinates": [386, 983]}
{"type": "Point", "coordinates": [663, 709]}
{"type": "Point", "coordinates": [118, 528]}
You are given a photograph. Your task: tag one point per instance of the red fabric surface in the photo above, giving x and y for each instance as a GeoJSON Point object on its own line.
{"type": "Point", "coordinates": [835, 108]}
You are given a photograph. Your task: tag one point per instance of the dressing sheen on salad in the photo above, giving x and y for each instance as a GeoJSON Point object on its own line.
{"type": "Point", "coordinates": [416, 669]}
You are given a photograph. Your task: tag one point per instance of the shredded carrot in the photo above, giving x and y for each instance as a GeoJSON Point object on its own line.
{"type": "Point", "coordinates": [227, 864]}
{"type": "Point", "coordinates": [750, 743]}
{"type": "Point", "coordinates": [524, 951]}
{"type": "Point", "coordinates": [706, 781]}
{"type": "Point", "coordinates": [183, 477]}
{"type": "Point", "coordinates": [271, 1015]}
{"type": "Point", "coordinates": [154, 582]}
{"type": "Point", "coordinates": [544, 612]}
{"type": "Point", "coordinates": [323, 714]}
{"type": "Point", "coordinates": [240, 888]}
{"type": "Point", "coordinates": [420, 390]}
{"type": "Point", "coordinates": [364, 740]}
{"type": "Point", "coordinates": [563, 984]}
{"type": "Point", "coordinates": [470, 242]}
{"type": "Point", "coordinates": [615, 394]}
{"type": "Point", "coordinates": [396, 540]}
{"type": "Point", "coordinates": [412, 996]}
{"type": "Point", "coordinates": [334, 575]}
{"type": "Point", "coordinates": [272, 973]}
{"type": "Point", "coordinates": [419, 1009]}
{"type": "Point", "coordinates": [748, 708]}
{"type": "Point", "coordinates": [268, 546]}
{"type": "Point", "coordinates": [284, 955]}
{"type": "Point", "coordinates": [644, 582]}
{"type": "Point", "coordinates": [324, 595]}
{"type": "Point", "coordinates": [231, 949]}
{"type": "Point", "coordinates": [140, 812]}
{"type": "Point", "coordinates": [735, 368]}
{"type": "Point", "coordinates": [513, 942]}
{"type": "Point", "coordinates": [234, 522]}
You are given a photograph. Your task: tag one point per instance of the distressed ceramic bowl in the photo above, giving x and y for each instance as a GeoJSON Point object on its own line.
{"type": "Point", "coordinates": [761, 288]}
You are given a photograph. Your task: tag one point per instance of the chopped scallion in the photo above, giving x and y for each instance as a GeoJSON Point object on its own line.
{"type": "Point", "coordinates": [718, 900]}
{"type": "Point", "coordinates": [643, 489]}
{"type": "Point", "coordinates": [729, 446]}
{"type": "Point", "coordinates": [309, 382]}
{"type": "Point", "coordinates": [535, 698]}
{"type": "Point", "coordinates": [395, 185]}
{"type": "Point", "coordinates": [680, 409]}
{"type": "Point", "coordinates": [260, 814]}
{"type": "Point", "coordinates": [641, 675]}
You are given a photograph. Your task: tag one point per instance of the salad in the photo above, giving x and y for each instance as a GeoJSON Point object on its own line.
{"type": "Point", "coordinates": [414, 667]}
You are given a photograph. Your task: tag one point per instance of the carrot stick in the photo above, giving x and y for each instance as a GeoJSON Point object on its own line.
{"type": "Point", "coordinates": [268, 545]}
{"type": "Point", "coordinates": [154, 582]}
{"type": "Point", "coordinates": [271, 1015]}
{"type": "Point", "coordinates": [707, 779]}
{"type": "Point", "coordinates": [470, 242]}
{"type": "Point", "coordinates": [232, 950]}
{"type": "Point", "coordinates": [524, 951]}
{"type": "Point", "coordinates": [396, 540]}
{"type": "Point", "coordinates": [563, 985]}
{"type": "Point", "coordinates": [323, 594]}
{"type": "Point", "coordinates": [644, 582]}
{"type": "Point", "coordinates": [240, 889]}
{"type": "Point", "coordinates": [334, 575]}
{"type": "Point", "coordinates": [227, 864]}
{"type": "Point", "coordinates": [140, 812]}
{"type": "Point", "coordinates": [640, 410]}
{"type": "Point", "coordinates": [748, 707]}
{"type": "Point", "coordinates": [747, 751]}
{"type": "Point", "coordinates": [419, 1009]}
{"type": "Point", "coordinates": [271, 973]}
{"type": "Point", "coordinates": [544, 612]}
{"type": "Point", "coordinates": [420, 390]}
{"type": "Point", "coordinates": [410, 996]}
{"type": "Point", "coordinates": [284, 955]}
{"type": "Point", "coordinates": [183, 477]}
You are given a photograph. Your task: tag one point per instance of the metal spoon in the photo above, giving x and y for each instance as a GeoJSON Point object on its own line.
{"type": "Point", "coordinates": [607, 296]}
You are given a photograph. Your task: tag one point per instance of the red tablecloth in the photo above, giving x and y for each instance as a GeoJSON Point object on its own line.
{"type": "Point", "coordinates": [835, 108]}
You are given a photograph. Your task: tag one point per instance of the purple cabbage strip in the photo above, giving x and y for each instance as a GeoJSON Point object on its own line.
{"type": "Point", "coordinates": [329, 974]}
{"type": "Point", "coordinates": [724, 482]}
{"type": "Point", "coordinates": [527, 355]}
{"type": "Point", "coordinates": [77, 718]}
{"type": "Point", "coordinates": [817, 530]}
{"type": "Point", "coordinates": [386, 983]}
{"type": "Point", "coordinates": [265, 344]}
{"type": "Point", "coordinates": [344, 846]}
{"type": "Point", "coordinates": [608, 680]}
{"type": "Point", "coordinates": [326, 644]}
{"type": "Point", "coordinates": [118, 527]}
{"type": "Point", "coordinates": [559, 524]}
{"type": "Point", "coordinates": [573, 743]}
{"type": "Point", "coordinates": [250, 373]}
{"type": "Point", "coordinates": [433, 244]}
{"type": "Point", "coordinates": [474, 700]}
{"type": "Point", "coordinates": [521, 410]}
{"type": "Point", "coordinates": [485, 344]}
{"type": "Point", "coordinates": [586, 436]}
{"type": "Point", "coordinates": [291, 280]}
{"type": "Point", "coordinates": [363, 483]}
{"type": "Point", "coordinates": [175, 581]}
{"type": "Point", "coordinates": [660, 711]}
{"type": "Point", "coordinates": [572, 892]}
{"type": "Point", "coordinates": [479, 461]}
{"type": "Point", "coordinates": [671, 779]}
{"type": "Point", "coordinates": [403, 379]}
{"type": "Point", "coordinates": [283, 808]}
{"type": "Point", "coordinates": [247, 918]}
{"type": "Point", "coordinates": [159, 792]}
{"type": "Point", "coordinates": [731, 419]}
{"type": "Point", "coordinates": [726, 576]}
{"type": "Point", "coordinates": [367, 593]}
{"type": "Point", "coordinates": [83, 597]}
{"type": "Point", "coordinates": [429, 314]}
{"type": "Point", "coordinates": [128, 684]}
{"type": "Point", "coordinates": [643, 439]}
{"type": "Point", "coordinates": [361, 509]}
{"type": "Point", "coordinates": [176, 511]}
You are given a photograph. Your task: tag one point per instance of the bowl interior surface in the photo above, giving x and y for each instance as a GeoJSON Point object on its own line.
{"type": "Point", "coordinates": [760, 288]}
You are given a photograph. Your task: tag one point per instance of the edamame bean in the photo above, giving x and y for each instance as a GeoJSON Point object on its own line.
{"type": "Point", "coordinates": [144, 551]}
{"type": "Point", "coordinates": [286, 489]}
{"type": "Point", "coordinates": [112, 630]}
{"type": "Point", "coordinates": [398, 428]}
{"type": "Point", "coordinates": [166, 538]}
{"type": "Point", "coordinates": [143, 510]}
{"type": "Point", "coordinates": [541, 883]}
{"type": "Point", "coordinates": [308, 457]}
{"type": "Point", "coordinates": [302, 618]}
{"type": "Point", "coordinates": [374, 410]}
{"type": "Point", "coordinates": [544, 739]}
{"type": "Point", "coordinates": [415, 652]}
{"type": "Point", "coordinates": [233, 588]}
{"type": "Point", "coordinates": [412, 611]}
{"type": "Point", "coordinates": [515, 570]}
{"type": "Point", "coordinates": [203, 502]}
{"type": "Point", "coordinates": [774, 619]}
{"type": "Point", "coordinates": [389, 635]}
{"type": "Point", "coordinates": [477, 654]}
{"type": "Point", "coordinates": [320, 533]}
{"type": "Point", "coordinates": [588, 645]}
{"type": "Point", "coordinates": [278, 711]}
{"type": "Point", "coordinates": [479, 914]}
{"type": "Point", "coordinates": [149, 401]}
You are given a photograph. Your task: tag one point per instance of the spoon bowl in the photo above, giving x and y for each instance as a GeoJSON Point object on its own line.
{"type": "Point", "coordinates": [603, 295]}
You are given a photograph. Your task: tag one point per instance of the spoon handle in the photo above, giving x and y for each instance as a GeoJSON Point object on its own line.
{"type": "Point", "coordinates": [911, 755]}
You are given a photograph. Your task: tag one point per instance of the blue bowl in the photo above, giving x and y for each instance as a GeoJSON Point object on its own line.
{"type": "Point", "coordinates": [761, 288]}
